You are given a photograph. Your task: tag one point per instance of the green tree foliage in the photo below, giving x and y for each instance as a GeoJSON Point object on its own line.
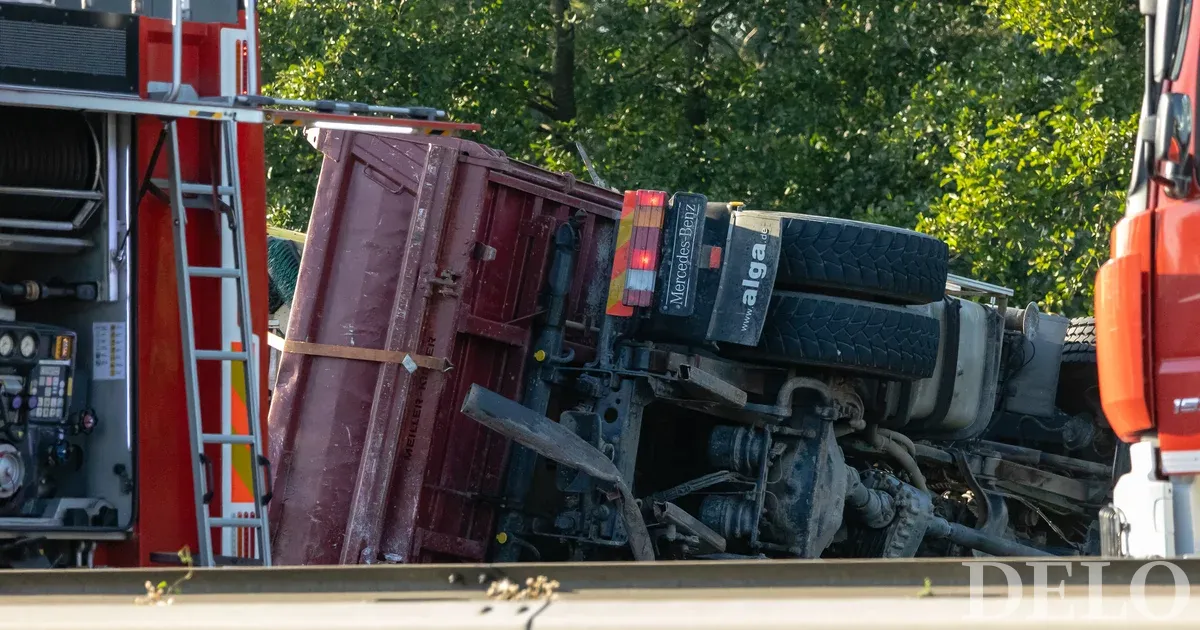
{"type": "Point", "coordinates": [1036, 132]}
{"type": "Point", "coordinates": [1002, 126]}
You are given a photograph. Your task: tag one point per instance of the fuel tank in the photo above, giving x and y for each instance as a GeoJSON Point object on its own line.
{"type": "Point", "coordinates": [958, 400]}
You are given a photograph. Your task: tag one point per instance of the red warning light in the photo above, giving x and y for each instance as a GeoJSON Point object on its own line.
{"type": "Point", "coordinates": [643, 260]}
{"type": "Point", "coordinates": [651, 198]}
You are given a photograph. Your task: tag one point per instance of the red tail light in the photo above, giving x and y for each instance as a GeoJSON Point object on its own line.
{"type": "Point", "coordinates": [643, 260]}
{"type": "Point", "coordinates": [635, 263]}
{"type": "Point", "coordinates": [643, 255]}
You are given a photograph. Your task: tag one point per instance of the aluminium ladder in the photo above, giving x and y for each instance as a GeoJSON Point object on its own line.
{"type": "Point", "coordinates": [226, 191]}
{"type": "Point", "coordinates": [225, 194]}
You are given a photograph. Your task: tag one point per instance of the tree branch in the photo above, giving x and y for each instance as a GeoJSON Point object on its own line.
{"type": "Point", "coordinates": [544, 108]}
{"type": "Point", "coordinates": [646, 66]}
{"type": "Point", "coordinates": [681, 33]}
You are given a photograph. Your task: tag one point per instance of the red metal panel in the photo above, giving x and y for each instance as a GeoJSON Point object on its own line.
{"type": "Point", "coordinates": [165, 510]}
{"type": "Point", "coordinates": [1120, 346]}
{"type": "Point", "coordinates": [1175, 305]}
{"type": "Point", "coordinates": [1176, 345]}
{"type": "Point", "coordinates": [374, 462]}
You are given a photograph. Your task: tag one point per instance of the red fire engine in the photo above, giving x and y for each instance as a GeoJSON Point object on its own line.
{"type": "Point", "coordinates": [133, 280]}
{"type": "Point", "coordinates": [1146, 313]}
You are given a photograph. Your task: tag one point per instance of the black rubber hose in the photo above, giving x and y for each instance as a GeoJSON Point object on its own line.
{"type": "Point", "coordinates": [46, 148]}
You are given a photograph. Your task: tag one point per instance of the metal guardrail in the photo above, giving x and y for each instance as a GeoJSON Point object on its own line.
{"type": "Point", "coordinates": [471, 581]}
{"type": "Point", "coordinates": [865, 611]}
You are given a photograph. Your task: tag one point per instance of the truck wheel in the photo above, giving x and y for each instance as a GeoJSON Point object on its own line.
{"type": "Point", "coordinates": [1079, 346]}
{"type": "Point", "coordinates": [1079, 383]}
{"type": "Point", "coordinates": [859, 259]}
{"type": "Point", "coordinates": [283, 267]}
{"type": "Point", "coordinates": [1078, 380]}
{"type": "Point", "coordinates": [890, 341]}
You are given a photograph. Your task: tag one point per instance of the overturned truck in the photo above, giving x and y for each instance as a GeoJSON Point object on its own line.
{"type": "Point", "coordinates": [488, 361]}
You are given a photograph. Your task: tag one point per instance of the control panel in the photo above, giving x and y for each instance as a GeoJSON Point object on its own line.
{"type": "Point", "coordinates": [37, 378]}
{"type": "Point", "coordinates": [37, 371]}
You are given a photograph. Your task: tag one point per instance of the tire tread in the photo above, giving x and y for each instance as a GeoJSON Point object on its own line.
{"type": "Point", "coordinates": [836, 332]}
{"type": "Point", "coordinates": [861, 259]}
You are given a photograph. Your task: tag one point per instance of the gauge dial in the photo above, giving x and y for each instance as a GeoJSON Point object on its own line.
{"type": "Point", "coordinates": [6, 345]}
{"type": "Point", "coordinates": [28, 346]}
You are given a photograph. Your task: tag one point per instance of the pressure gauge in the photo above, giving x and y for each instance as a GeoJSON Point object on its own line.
{"type": "Point", "coordinates": [28, 346]}
{"type": "Point", "coordinates": [6, 345]}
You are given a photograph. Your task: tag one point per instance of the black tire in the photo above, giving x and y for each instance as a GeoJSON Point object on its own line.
{"type": "Point", "coordinates": [879, 339]}
{"type": "Point", "coordinates": [1079, 388]}
{"type": "Point", "coordinates": [1079, 346]}
{"type": "Point", "coordinates": [1078, 377]}
{"type": "Point", "coordinates": [857, 259]}
{"type": "Point", "coordinates": [283, 268]}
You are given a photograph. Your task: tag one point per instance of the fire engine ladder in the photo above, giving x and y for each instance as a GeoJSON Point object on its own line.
{"type": "Point", "coordinates": [225, 193]}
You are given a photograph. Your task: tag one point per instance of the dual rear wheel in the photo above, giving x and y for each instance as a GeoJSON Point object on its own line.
{"type": "Point", "coordinates": [840, 297]}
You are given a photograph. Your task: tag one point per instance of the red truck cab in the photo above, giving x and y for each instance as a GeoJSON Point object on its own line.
{"type": "Point", "coordinates": [1147, 298]}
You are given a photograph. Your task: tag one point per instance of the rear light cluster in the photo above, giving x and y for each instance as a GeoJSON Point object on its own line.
{"type": "Point", "coordinates": [635, 263]}
{"type": "Point", "coordinates": [643, 253]}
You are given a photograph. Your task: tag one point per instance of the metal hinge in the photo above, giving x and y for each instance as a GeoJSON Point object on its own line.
{"type": "Point", "coordinates": [448, 280]}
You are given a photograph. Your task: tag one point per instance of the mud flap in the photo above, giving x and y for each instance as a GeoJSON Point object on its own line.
{"type": "Point", "coordinates": [554, 441]}
{"type": "Point", "coordinates": [751, 260]}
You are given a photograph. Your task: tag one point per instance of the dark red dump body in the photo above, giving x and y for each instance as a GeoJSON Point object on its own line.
{"type": "Point", "coordinates": [432, 246]}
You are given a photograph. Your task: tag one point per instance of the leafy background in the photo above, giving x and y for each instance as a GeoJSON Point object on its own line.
{"type": "Point", "coordinates": [1002, 126]}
